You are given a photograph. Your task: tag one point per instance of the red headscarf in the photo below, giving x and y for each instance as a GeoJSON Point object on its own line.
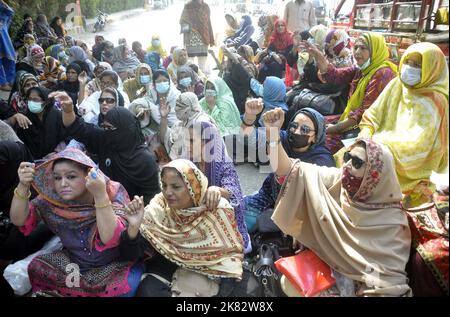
{"type": "Point", "coordinates": [281, 40]}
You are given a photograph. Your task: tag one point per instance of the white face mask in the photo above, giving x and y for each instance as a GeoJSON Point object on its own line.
{"type": "Point", "coordinates": [366, 64]}
{"type": "Point", "coordinates": [410, 76]}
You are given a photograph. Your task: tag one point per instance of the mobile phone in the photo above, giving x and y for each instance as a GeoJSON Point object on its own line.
{"type": "Point", "coordinates": [57, 104]}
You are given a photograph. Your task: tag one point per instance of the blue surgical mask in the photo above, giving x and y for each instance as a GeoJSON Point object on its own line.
{"type": "Point", "coordinates": [410, 76]}
{"type": "Point", "coordinates": [210, 93]}
{"type": "Point", "coordinates": [366, 64]}
{"type": "Point", "coordinates": [35, 107]}
{"type": "Point", "coordinates": [145, 79]}
{"type": "Point", "coordinates": [162, 88]}
{"type": "Point", "coordinates": [156, 42]}
{"type": "Point", "coordinates": [257, 87]}
{"type": "Point", "coordinates": [186, 82]}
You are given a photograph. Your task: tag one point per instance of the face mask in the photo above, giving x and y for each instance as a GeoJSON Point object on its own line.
{"type": "Point", "coordinates": [185, 82]}
{"type": "Point", "coordinates": [210, 93]}
{"type": "Point", "coordinates": [163, 87]}
{"type": "Point", "coordinates": [145, 79]}
{"type": "Point", "coordinates": [298, 141]}
{"type": "Point", "coordinates": [351, 183]}
{"type": "Point", "coordinates": [410, 76]}
{"type": "Point", "coordinates": [310, 40]}
{"type": "Point", "coordinates": [257, 87]}
{"type": "Point", "coordinates": [366, 64]}
{"type": "Point", "coordinates": [156, 42]}
{"type": "Point", "coordinates": [35, 107]}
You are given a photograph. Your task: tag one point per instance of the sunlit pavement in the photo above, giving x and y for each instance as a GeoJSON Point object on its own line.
{"type": "Point", "coordinates": [164, 23]}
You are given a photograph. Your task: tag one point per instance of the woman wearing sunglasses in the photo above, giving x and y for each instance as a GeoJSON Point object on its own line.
{"type": "Point", "coordinates": [350, 217]}
{"type": "Point", "coordinates": [118, 143]}
{"type": "Point", "coordinates": [109, 98]}
{"type": "Point", "coordinates": [304, 140]}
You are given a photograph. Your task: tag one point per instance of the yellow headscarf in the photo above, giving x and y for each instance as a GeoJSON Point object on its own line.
{"type": "Point", "coordinates": [413, 123]}
{"type": "Point", "coordinates": [158, 49]}
{"type": "Point", "coordinates": [379, 59]}
{"type": "Point", "coordinates": [434, 69]}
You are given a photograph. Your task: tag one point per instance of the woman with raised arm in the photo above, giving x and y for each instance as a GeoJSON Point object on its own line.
{"type": "Point", "coordinates": [118, 143]}
{"type": "Point", "coordinates": [350, 217]}
{"type": "Point", "coordinates": [367, 80]}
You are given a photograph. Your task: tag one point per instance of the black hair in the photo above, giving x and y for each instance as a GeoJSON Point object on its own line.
{"type": "Point", "coordinates": [79, 166]}
{"type": "Point", "coordinates": [305, 35]}
{"type": "Point", "coordinates": [158, 73]}
{"type": "Point", "coordinates": [75, 67]}
{"type": "Point", "coordinates": [41, 92]}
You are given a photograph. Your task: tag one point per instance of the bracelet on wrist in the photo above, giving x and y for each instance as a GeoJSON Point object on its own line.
{"type": "Point", "coordinates": [108, 204]}
{"type": "Point", "coordinates": [16, 193]}
{"type": "Point", "coordinates": [247, 124]}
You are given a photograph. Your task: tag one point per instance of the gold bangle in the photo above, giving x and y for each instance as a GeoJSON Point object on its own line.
{"type": "Point", "coordinates": [108, 204]}
{"type": "Point", "coordinates": [16, 193]}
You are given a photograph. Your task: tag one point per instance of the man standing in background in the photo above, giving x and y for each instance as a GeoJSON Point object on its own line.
{"type": "Point", "coordinates": [299, 15]}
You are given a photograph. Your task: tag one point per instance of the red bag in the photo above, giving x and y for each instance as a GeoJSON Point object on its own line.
{"type": "Point", "coordinates": [307, 272]}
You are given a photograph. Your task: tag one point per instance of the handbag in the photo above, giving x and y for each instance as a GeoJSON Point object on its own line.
{"type": "Point", "coordinates": [266, 273]}
{"type": "Point", "coordinates": [306, 272]}
{"type": "Point", "coordinates": [186, 283]}
{"type": "Point", "coordinates": [323, 103]}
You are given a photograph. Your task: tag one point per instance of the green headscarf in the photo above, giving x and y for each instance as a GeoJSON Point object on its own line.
{"type": "Point", "coordinates": [225, 113]}
{"type": "Point", "coordinates": [379, 59]}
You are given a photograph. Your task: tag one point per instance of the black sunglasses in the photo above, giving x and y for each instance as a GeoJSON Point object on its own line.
{"type": "Point", "coordinates": [304, 129]}
{"type": "Point", "coordinates": [108, 100]}
{"type": "Point", "coordinates": [356, 161]}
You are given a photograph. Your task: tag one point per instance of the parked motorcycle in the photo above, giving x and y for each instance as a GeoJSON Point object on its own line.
{"type": "Point", "coordinates": [101, 21]}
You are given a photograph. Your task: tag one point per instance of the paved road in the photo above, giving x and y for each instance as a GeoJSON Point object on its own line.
{"type": "Point", "coordinates": [165, 23]}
